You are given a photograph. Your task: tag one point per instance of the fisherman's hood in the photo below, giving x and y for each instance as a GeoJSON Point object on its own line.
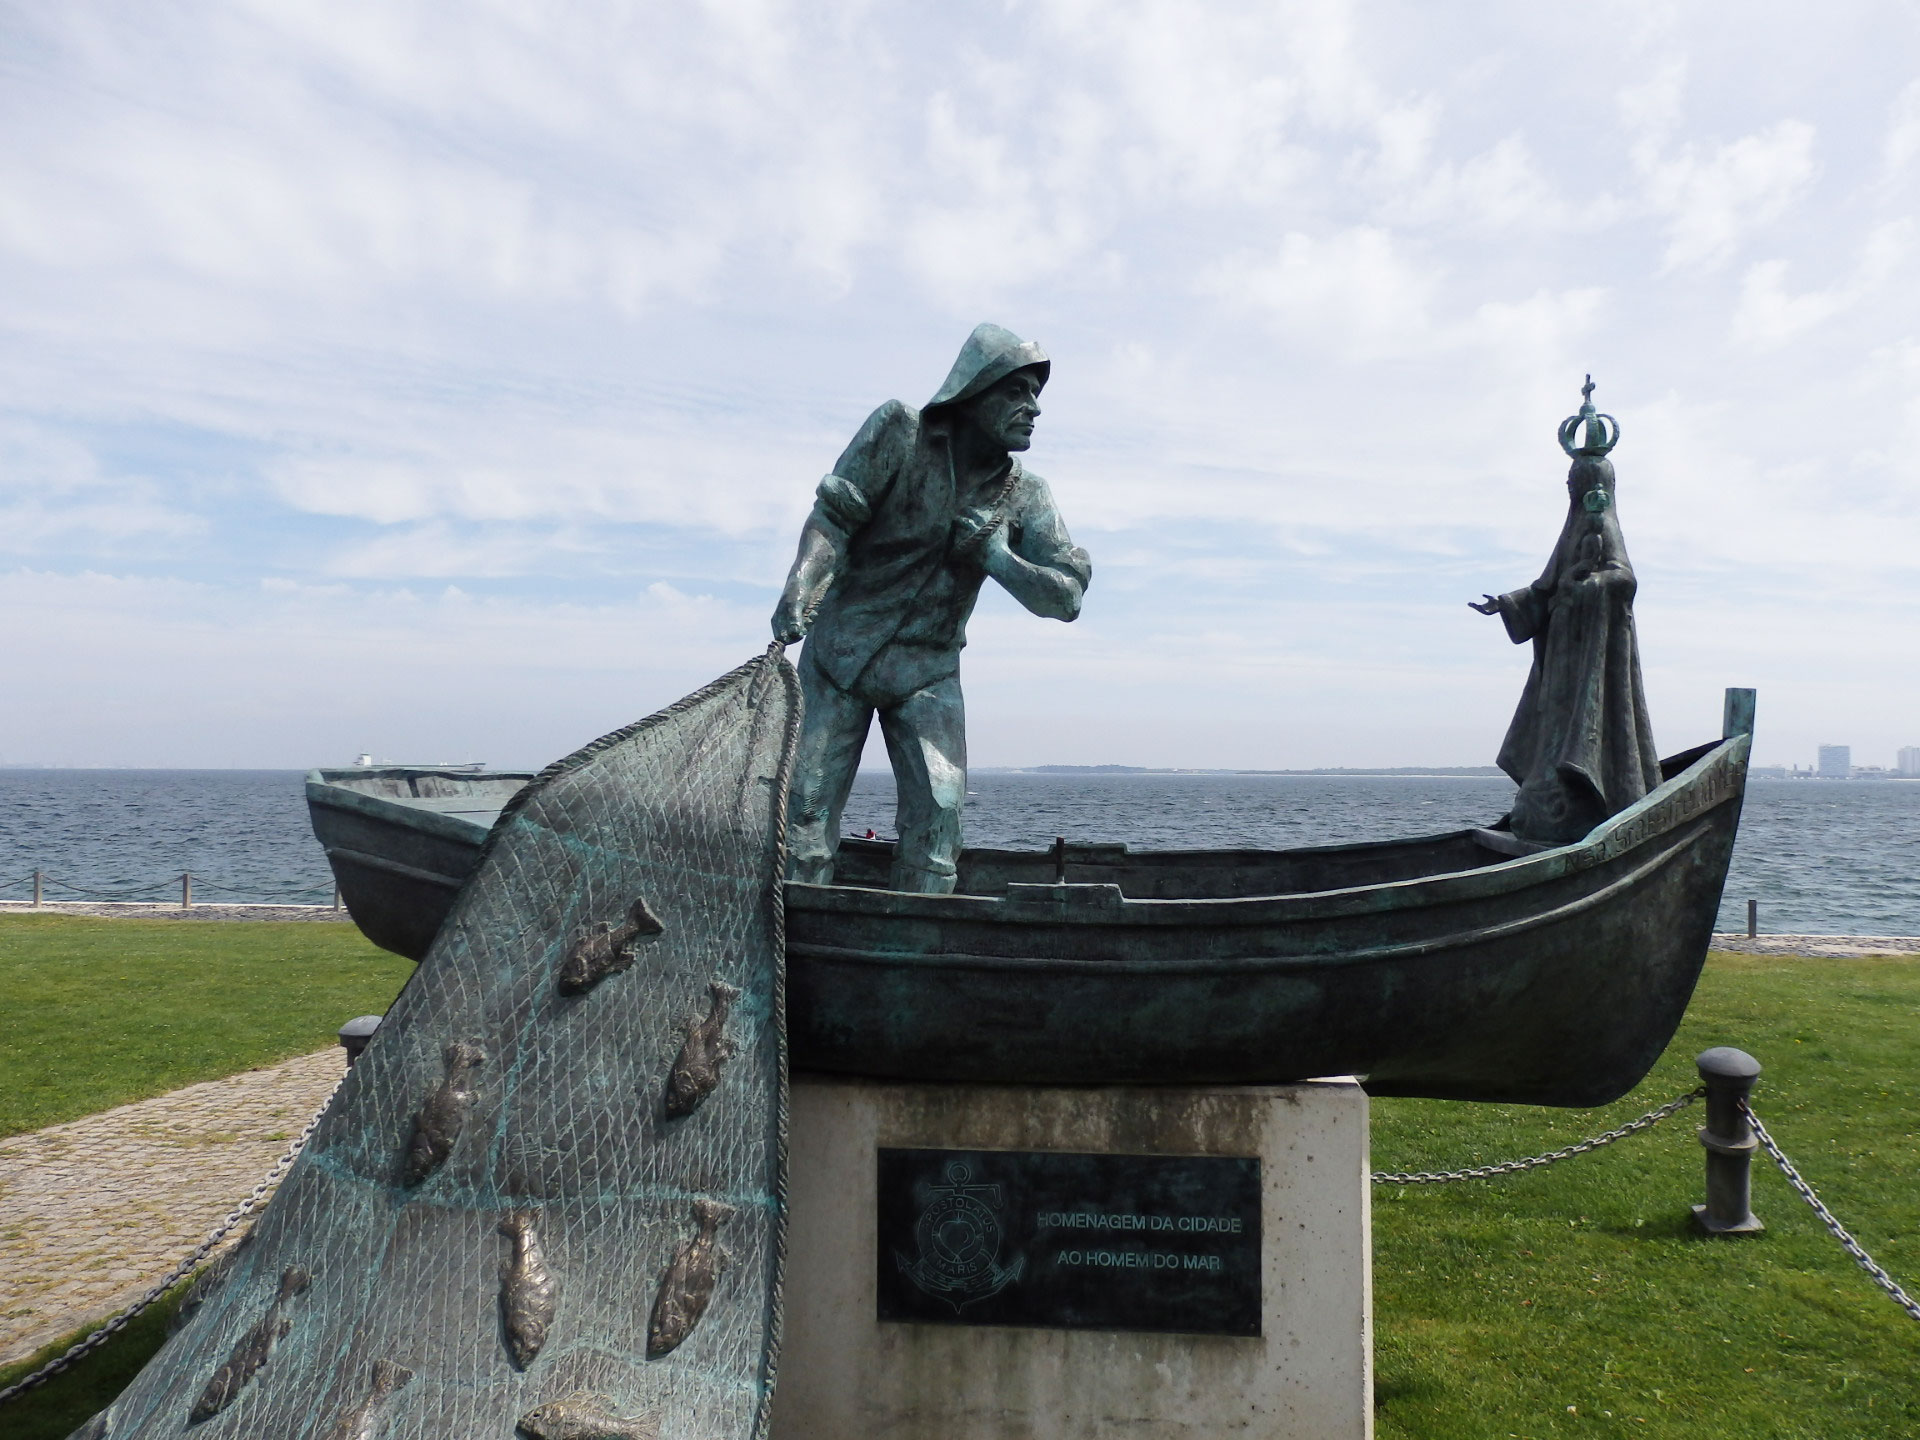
{"type": "Point", "coordinates": [990, 354]}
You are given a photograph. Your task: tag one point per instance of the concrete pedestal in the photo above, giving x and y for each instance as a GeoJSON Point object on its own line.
{"type": "Point", "coordinates": [846, 1375]}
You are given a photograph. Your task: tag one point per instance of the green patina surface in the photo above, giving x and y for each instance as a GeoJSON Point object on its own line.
{"type": "Point", "coordinates": [916, 513]}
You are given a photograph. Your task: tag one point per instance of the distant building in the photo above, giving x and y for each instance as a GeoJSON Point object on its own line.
{"type": "Point", "coordinates": [1836, 762]}
{"type": "Point", "coordinates": [1910, 760]}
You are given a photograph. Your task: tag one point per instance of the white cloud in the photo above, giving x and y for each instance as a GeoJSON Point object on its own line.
{"type": "Point", "coordinates": [1652, 108]}
{"type": "Point", "coordinates": [137, 660]}
{"type": "Point", "coordinates": [1770, 316]}
{"type": "Point", "coordinates": [1203, 106]}
{"type": "Point", "coordinates": [1355, 292]}
{"type": "Point", "coordinates": [339, 305]}
{"type": "Point", "coordinates": [1901, 146]}
{"type": "Point", "coordinates": [1716, 195]}
{"type": "Point", "coordinates": [56, 497]}
{"type": "Point", "coordinates": [1499, 188]}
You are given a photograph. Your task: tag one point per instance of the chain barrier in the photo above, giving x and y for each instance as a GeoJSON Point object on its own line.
{"type": "Point", "coordinates": [160, 890]}
{"type": "Point", "coordinates": [160, 887]}
{"type": "Point", "coordinates": [1805, 1191]}
{"type": "Point", "coordinates": [78, 1351]}
{"type": "Point", "coordinates": [224, 889]}
{"type": "Point", "coordinates": [1534, 1162]}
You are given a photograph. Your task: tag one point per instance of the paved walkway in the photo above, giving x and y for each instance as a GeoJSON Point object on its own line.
{"type": "Point", "coordinates": [93, 1212]}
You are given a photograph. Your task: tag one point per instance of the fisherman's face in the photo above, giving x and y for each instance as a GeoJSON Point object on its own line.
{"type": "Point", "coordinates": [1006, 410]}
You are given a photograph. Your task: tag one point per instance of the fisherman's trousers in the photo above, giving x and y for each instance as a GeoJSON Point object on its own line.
{"type": "Point", "coordinates": [926, 735]}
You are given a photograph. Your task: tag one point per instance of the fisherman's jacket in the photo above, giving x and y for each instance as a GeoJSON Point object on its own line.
{"type": "Point", "coordinates": [895, 618]}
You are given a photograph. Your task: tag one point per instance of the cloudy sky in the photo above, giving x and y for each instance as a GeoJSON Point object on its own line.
{"type": "Point", "coordinates": [450, 381]}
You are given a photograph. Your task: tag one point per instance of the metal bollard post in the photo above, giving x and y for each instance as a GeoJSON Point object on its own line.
{"type": "Point", "coordinates": [355, 1034]}
{"type": "Point", "coordinates": [36, 888]}
{"type": "Point", "coordinates": [1753, 918]}
{"type": "Point", "coordinates": [336, 897]}
{"type": "Point", "coordinates": [1728, 1075]}
{"type": "Point", "coordinates": [186, 889]}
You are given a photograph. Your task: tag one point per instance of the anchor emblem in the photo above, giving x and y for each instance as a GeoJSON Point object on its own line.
{"type": "Point", "coordinates": [959, 1235]}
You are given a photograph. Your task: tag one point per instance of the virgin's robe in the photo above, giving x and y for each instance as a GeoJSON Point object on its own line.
{"type": "Point", "coordinates": [1580, 746]}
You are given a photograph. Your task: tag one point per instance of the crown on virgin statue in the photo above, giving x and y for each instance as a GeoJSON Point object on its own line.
{"type": "Point", "coordinates": [1602, 431]}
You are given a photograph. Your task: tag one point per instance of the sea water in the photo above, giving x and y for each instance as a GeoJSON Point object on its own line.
{"type": "Point", "coordinates": [1822, 857]}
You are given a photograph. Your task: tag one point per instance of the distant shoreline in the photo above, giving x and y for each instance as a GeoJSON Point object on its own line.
{"type": "Point", "coordinates": [1406, 772]}
{"type": "Point", "coordinates": [1409, 772]}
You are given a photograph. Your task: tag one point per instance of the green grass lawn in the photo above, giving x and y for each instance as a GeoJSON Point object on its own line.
{"type": "Point", "coordinates": [60, 1406]}
{"type": "Point", "coordinates": [1576, 1300]}
{"type": "Point", "coordinates": [101, 1012]}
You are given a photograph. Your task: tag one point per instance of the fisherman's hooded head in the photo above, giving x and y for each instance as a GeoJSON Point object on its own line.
{"type": "Point", "coordinates": [994, 386]}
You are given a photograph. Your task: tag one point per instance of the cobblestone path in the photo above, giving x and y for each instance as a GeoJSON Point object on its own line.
{"type": "Point", "coordinates": [93, 1212]}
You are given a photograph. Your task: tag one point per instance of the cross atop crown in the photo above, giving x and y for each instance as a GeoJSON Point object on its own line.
{"type": "Point", "coordinates": [1602, 431]}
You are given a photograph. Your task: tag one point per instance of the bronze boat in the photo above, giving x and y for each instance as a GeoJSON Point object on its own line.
{"type": "Point", "coordinates": [1468, 965]}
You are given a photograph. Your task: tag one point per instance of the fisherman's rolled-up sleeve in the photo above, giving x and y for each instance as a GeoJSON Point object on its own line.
{"type": "Point", "coordinates": [1040, 536]}
{"type": "Point", "coordinates": [840, 500]}
{"type": "Point", "coordinates": [845, 499]}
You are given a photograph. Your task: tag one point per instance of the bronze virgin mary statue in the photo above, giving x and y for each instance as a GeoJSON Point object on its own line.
{"type": "Point", "coordinates": [1580, 746]}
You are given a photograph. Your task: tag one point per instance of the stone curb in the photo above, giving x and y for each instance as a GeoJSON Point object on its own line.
{"type": "Point", "coordinates": [147, 910]}
{"type": "Point", "coordinates": [1828, 947]}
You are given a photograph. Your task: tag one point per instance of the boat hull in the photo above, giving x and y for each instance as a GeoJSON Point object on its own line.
{"type": "Point", "coordinates": [1446, 966]}
{"type": "Point", "coordinates": [402, 841]}
{"type": "Point", "coordinates": [1498, 1001]}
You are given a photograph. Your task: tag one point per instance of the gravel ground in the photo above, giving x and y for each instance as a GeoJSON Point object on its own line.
{"type": "Point", "coordinates": [1817, 946]}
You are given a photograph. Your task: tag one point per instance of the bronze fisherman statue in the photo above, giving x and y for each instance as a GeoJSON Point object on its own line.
{"type": "Point", "coordinates": [918, 511]}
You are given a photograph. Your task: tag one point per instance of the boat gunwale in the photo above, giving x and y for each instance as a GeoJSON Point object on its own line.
{"type": "Point", "coordinates": [337, 774]}
{"type": "Point", "coordinates": [1687, 796]}
{"type": "Point", "coordinates": [438, 823]}
{"type": "Point", "coordinates": [1277, 965]}
{"type": "Point", "coordinates": [1120, 850]}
